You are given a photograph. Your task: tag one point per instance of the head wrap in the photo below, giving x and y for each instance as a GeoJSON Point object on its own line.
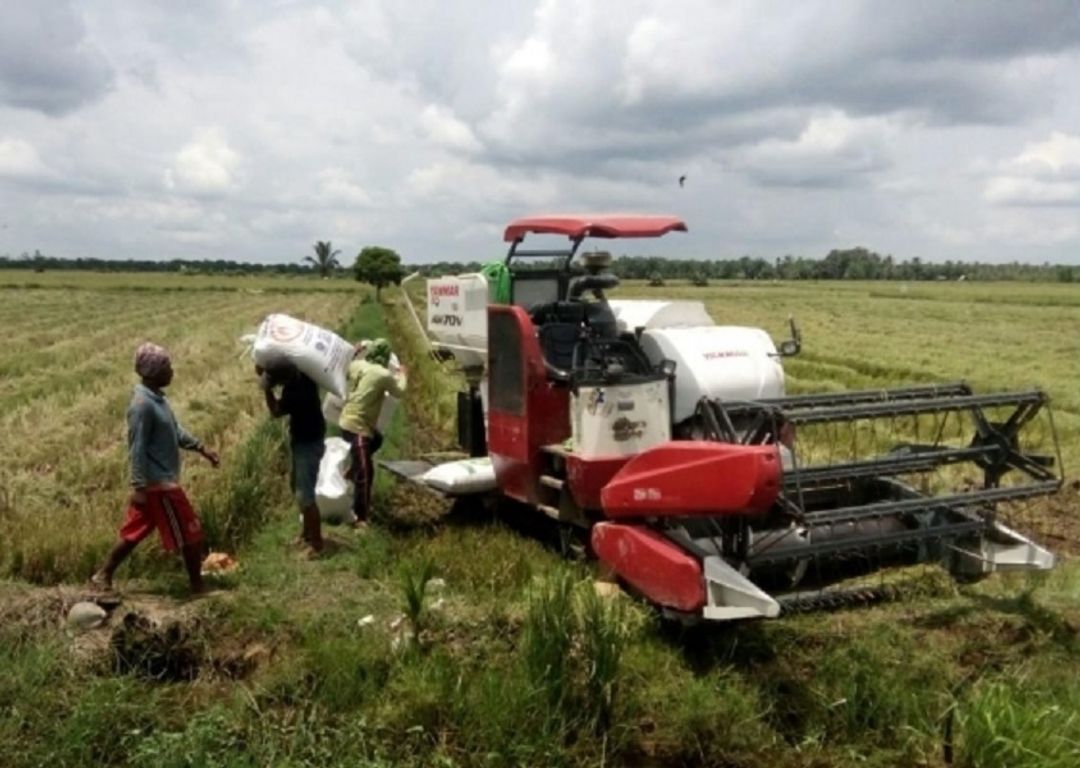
{"type": "Point", "coordinates": [151, 360]}
{"type": "Point", "coordinates": [378, 352]}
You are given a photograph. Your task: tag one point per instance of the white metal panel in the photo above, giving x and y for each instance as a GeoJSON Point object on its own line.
{"type": "Point", "coordinates": [457, 316]}
{"type": "Point", "coordinates": [620, 420]}
{"type": "Point", "coordinates": [631, 314]}
{"type": "Point", "coordinates": [722, 361]}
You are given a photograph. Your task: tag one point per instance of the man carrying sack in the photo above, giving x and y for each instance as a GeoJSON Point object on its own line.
{"type": "Point", "coordinates": [307, 431]}
{"type": "Point", "coordinates": [369, 382]}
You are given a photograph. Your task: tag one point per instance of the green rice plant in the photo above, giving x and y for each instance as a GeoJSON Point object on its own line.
{"type": "Point", "coordinates": [423, 700]}
{"type": "Point", "coordinates": [1015, 724]}
{"type": "Point", "coordinates": [546, 641]}
{"type": "Point", "coordinates": [604, 626]}
{"type": "Point", "coordinates": [495, 704]}
{"type": "Point", "coordinates": [414, 583]}
{"type": "Point", "coordinates": [110, 715]}
{"type": "Point", "coordinates": [879, 686]}
{"type": "Point", "coordinates": [347, 671]}
{"type": "Point", "coordinates": [486, 560]}
{"type": "Point", "coordinates": [374, 553]}
{"type": "Point", "coordinates": [250, 492]}
{"type": "Point", "coordinates": [212, 738]}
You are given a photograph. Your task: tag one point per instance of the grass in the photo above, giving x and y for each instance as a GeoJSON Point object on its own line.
{"type": "Point", "coordinates": [1019, 723]}
{"type": "Point", "coordinates": [522, 663]}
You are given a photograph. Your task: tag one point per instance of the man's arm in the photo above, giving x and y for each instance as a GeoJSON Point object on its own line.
{"type": "Point", "coordinates": [395, 386]}
{"type": "Point", "coordinates": [188, 442]}
{"type": "Point", "coordinates": [273, 404]}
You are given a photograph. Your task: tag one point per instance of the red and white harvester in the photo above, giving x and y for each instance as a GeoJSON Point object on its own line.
{"type": "Point", "coordinates": [670, 442]}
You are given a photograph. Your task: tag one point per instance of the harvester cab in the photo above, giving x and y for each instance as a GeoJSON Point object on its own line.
{"type": "Point", "coordinates": [669, 440]}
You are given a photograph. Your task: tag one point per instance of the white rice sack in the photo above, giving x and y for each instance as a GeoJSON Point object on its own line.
{"type": "Point", "coordinates": [460, 478]}
{"type": "Point", "coordinates": [333, 491]}
{"type": "Point", "coordinates": [386, 413]}
{"type": "Point", "coordinates": [331, 407]}
{"type": "Point", "coordinates": [319, 354]}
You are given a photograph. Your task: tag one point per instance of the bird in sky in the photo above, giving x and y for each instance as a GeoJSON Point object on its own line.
{"type": "Point", "coordinates": [682, 180]}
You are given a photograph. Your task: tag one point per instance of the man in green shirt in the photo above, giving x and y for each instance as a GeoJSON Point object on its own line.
{"type": "Point", "coordinates": [369, 382]}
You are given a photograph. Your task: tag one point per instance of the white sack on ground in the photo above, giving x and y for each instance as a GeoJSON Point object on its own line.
{"type": "Point", "coordinates": [333, 491]}
{"type": "Point", "coordinates": [319, 354]}
{"type": "Point", "coordinates": [461, 478]}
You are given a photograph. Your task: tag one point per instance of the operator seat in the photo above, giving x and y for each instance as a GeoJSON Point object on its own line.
{"type": "Point", "coordinates": [557, 343]}
{"type": "Point", "coordinates": [559, 329]}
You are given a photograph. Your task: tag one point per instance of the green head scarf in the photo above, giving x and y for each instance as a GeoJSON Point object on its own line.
{"type": "Point", "coordinates": [378, 352]}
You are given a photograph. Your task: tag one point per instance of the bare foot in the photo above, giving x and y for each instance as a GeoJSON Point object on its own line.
{"type": "Point", "coordinates": [101, 581]}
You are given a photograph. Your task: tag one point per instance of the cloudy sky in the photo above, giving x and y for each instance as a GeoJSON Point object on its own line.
{"type": "Point", "coordinates": [250, 129]}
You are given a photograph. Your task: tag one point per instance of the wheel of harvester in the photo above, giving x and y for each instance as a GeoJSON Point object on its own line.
{"type": "Point", "coordinates": [573, 542]}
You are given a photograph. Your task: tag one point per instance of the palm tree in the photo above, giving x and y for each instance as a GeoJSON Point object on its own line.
{"type": "Point", "coordinates": [325, 258]}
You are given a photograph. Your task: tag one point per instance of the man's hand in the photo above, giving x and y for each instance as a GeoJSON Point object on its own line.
{"type": "Point", "coordinates": [211, 456]}
{"type": "Point", "coordinates": [138, 497]}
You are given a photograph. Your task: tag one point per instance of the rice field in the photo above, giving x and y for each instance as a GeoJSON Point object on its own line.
{"type": "Point", "coordinates": [302, 662]}
{"type": "Point", "coordinates": [997, 337]}
{"type": "Point", "coordinates": [66, 379]}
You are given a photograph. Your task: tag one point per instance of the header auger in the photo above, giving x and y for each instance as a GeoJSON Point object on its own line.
{"type": "Point", "coordinates": [670, 441]}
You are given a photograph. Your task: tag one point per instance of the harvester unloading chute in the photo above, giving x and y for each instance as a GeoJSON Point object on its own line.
{"type": "Point", "coordinates": [670, 442]}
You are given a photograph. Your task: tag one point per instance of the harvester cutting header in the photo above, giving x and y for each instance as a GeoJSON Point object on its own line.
{"type": "Point", "coordinates": [670, 441]}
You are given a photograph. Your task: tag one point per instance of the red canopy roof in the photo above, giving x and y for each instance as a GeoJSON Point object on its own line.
{"type": "Point", "coordinates": [594, 226]}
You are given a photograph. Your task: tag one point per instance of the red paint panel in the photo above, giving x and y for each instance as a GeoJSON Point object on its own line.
{"type": "Point", "coordinates": [651, 564]}
{"type": "Point", "coordinates": [684, 478]}
{"type": "Point", "coordinates": [586, 478]}
{"type": "Point", "coordinates": [577, 226]}
{"type": "Point", "coordinates": [515, 440]}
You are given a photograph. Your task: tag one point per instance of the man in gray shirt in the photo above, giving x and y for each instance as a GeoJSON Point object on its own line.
{"type": "Point", "coordinates": [157, 500]}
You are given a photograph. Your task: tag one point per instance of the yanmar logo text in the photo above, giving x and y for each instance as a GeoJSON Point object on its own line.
{"type": "Point", "coordinates": [443, 291]}
{"type": "Point", "coordinates": [720, 355]}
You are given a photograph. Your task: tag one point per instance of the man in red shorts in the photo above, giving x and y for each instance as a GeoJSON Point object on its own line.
{"type": "Point", "coordinates": [157, 500]}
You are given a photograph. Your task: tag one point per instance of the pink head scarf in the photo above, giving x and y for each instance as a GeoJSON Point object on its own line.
{"type": "Point", "coordinates": [151, 360]}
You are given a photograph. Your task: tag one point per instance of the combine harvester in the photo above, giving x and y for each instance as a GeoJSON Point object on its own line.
{"type": "Point", "coordinates": [669, 441]}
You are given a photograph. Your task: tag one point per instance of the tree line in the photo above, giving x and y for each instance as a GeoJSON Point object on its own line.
{"type": "Point", "coordinates": [384, 265]}
{"type": "Point", "coordinates": [41, 263]}
{"type": "Point", "coordinates": [838, 264]}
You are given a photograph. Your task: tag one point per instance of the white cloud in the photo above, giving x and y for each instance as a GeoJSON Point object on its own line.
{"type": "Point", "coordinates": [1044, 173]}
{"type": "Point", "coordinates": [1032, 231]}
{"type": "Point", "coordinates": [337, 188]}
{"type": "Point", "coordinates": [833, 150]}
{"type": "Point", "coordinates": [1013, 190]}
{"type": "Point", "coordinates": [206, 164]}
{"type": "Point", "coordinates": [19, 159]}
{"type": "Point", "coordinates": [1057, 157]}
{"type": "Point", "coordinates": [464, 181]}
{"type": "Point", "coordinates": [445, 130]}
